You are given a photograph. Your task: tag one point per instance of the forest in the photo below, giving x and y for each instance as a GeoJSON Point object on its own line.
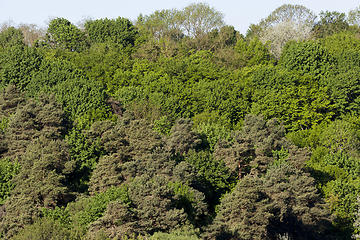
{"type": "Point", "coordinates": [178, 126]}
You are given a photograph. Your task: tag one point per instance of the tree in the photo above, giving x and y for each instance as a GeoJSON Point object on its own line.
{"type": "Point", "coordinates": [354, 16]}
{"type": "Point", "coordinates": [197, 26]}
{"type": "Point", "coordinates": [40, 183]}
{"type": "Point", "coordinates": [18, 64]}
{"type": "Point", "coordinates": [343, 81]}
{"type": "Point", "coordinates": [340, 42]}
{"type": "Point", "coordinates": [252, 53]}
{"type": "Point", "coordinates": [120, 31]}
{"type": "Point", "coordinates": [200, 18]}
{"type": "Point", "coordinates": [251, 149]}
{"type": "Point", "coordinates": [10, 99]}
{"type": "Point", "coordinates": [182, 138]}
{"type": "Point", "coordinates": [330, 23]}
{"type": "Point", "coordinates": [48, 229]}
{"type": "Point", "coordinates": [62, 34]}
{"type": "Point", "coordinates": [309, 58]}
{"type": "Point", "coordinates": [215, 40]}
{"type": "Point", "coordinates": [215, 177]}
{"type": "Point", "coordinates": [107, 174]}
{"type": "Point", "coordinates": [11, 37]}
{"type": "Point", "coordinates": [340, 136]}
{"type": "Point", "coordinates": [155, 206]}
{"type": "Point", "coordinates": [32, 120]}
{"type": "Point", "coordinates": [288, 22]}
{"type": "Point", "coordinates": [284, 201]}
{"type": "Point", "coordinates": [101, 61]}
{"type": "Point", "coordinates": [6, 24]}
{"type": "Point", "coordinates": [31, 33]}
{"type": "Point", "coordinates": [77, 94]}
{"type": "Point", "coordinates": [243, 214]}
{"type": "Point", "coordinates": [298, 101]}
{"type": "Point", "coordinates": [162, 24]}
{"type": "Point", "coordinates": [300, 16]}
{"type": "Point", "coordinates": [280, 34]}
{"type": "Point", "coordinates": [194, 20]}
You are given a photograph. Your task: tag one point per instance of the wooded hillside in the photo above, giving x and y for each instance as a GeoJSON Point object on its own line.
{"type": "Point", "coordinates": [177, 126]}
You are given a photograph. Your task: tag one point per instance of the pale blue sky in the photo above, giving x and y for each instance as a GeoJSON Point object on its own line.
{"type": "Point", "coordinates": [239, 14]}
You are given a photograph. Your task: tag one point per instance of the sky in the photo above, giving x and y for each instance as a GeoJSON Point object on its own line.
{"type": "Point", "coordinates": [239, 14]}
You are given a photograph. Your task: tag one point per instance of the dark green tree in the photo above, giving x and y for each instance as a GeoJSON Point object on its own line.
{"type": "Point", "coordinates": [285, 202]}
{"type": "Point", "coordinates": [119, 30]}
{"type": "Point", "coordinates": [182, 138]}
{"type": "Point", "coordinates": [343, 82]}
{"type": "Point", "coordinates": [32, 120]}
{"type": "Point", "coordinates": [251, 150]}
{"type": "Point", "coordinates": [309, 58]}
{"type": "Point", "coordinates": [10, 99]}
{"type": "Point", "coordinates": [18, 64]}
{"type": "Point", "coordinates": [11, 37]}
{"type": "Point", "coordinates": [40, 183]}
{"type": "Point", "coordinates": [154, 205]}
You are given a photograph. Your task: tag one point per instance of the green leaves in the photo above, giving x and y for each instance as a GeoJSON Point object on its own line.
{"type": "Point", "coordinates": [308, 58]}
{"type": "Point", "coordinates": [62, 34]}
{"type": "Point", "coordinates": [8, 171]}
{"type": "Point", "coordinates": [300, 102]}
{"type": "Point", "coordinates": [330, 23]}
{"type": "Point", "coordinates": [18, 64]}
{"type": "Point", "coordinates": [11, 37]}
{"type": "Point", "coordinates": [96, 207]}
{"type": "Point", "coordinates": [253, 53]}
{"type": "Point", "coordinates": [120, 31]}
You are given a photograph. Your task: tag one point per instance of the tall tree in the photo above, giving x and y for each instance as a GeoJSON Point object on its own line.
{"type": "Point", "coordinates": [354, 17]}
{"type": "Point", "coordinates": [11, 37]}
{"type": "Point", "coordinates": [285, 202]}
{"type": "Point", "coordinates": [18, 64]}
{"type": "Point", "coordinates": [120, 31]}
{"type": "Point", "coordinates": [251, 150]}
{"type": "Point", "coordinates": [330, 23]}
{"type": "Point", "coordinates": [62, 34]}
{"type": "Point", "coordinates": [299, 15]}
{"type": "Point", "coordinates": [31, 33]}
{"type": "Point", "coordinates": [280, 34]}
{"type": "Point", "coordinates": [40, 183]}
{"type": "Point", "coordinates": [162, 24]}
{"type": "Point", "coordinates": [200, 18]}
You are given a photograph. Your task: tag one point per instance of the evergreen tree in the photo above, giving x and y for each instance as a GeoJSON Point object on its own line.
{"type": "Point", "coordinates": [283, 202]}
{"type": "Point", "coordinates": [182, 138]}
{"type": "Point", "coordinates": [153, 208]}
{"type": "Point", "coordinates": [250, 151]}
{"type": "Point", "coordinates": [35, 118]}
{"type": "Point", "coordinates": [41, 183]}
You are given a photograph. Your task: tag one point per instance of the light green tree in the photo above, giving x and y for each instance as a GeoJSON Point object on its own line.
{"type": "Point", "coordinates": [354, 16]}
{"type": "Point", "coordinates": [200, 18]}
{"type": "Point", "coordinates": [62, 34]}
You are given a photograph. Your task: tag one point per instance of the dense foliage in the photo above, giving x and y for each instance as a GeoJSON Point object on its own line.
{"type": "Point", "coordinates": [177, 126]}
